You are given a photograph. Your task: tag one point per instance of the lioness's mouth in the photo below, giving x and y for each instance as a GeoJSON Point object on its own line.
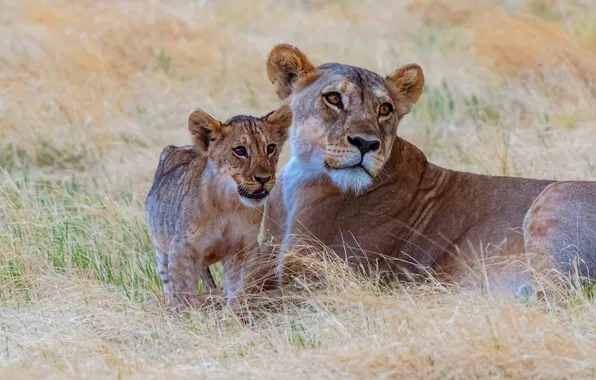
{"type": "Point", "coordinates": [353, 167]}
{"type": "Point", "coordinates": [256, 195]}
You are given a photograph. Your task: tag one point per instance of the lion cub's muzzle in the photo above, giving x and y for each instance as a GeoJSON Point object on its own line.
{"type": "Point", "coordinates": [258, 189]}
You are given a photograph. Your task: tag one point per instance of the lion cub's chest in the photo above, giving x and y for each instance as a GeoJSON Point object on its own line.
{"type": "Point", "coordinates": [225, 235]}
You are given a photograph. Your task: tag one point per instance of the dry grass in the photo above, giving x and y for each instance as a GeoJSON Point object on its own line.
{"type": "Point", "coordinates": [515, 43]}
{"type": "Point", "coordinates": [91, 91]}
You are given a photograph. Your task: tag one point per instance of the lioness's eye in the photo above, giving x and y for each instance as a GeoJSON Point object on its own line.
{"type": "Point", "coordinates": [270, 149]}
{"type": "Point", "coordinates": [239, 151]}
{"type": "Point", "coordinates": [334, 98]}
{"type": "Point", "coordinates": [385, 109]}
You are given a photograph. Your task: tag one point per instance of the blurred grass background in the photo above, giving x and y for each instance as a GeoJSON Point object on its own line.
{"type": "Point", "coordinates": [91, 91]}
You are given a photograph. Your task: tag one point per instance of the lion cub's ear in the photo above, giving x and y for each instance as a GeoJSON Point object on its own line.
{"type": "Point", "coordinates": [280, 121]}
{"type": "Point", "coordinates": [407, 84]}
{"type": "Point", "coordinates": [285, 66]}
{"type": "Point", "coordinates": [203, 129]}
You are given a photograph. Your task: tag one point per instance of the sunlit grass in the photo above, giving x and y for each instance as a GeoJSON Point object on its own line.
{"type": "Point", "coordinates": [69, 228]}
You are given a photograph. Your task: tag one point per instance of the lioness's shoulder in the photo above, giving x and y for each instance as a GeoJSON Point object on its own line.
{"type": "Point", "coordinates": [173, 157]}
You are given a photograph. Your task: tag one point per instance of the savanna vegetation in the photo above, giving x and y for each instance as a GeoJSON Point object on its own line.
{"type": "Point", "coordinates": [91, 91]}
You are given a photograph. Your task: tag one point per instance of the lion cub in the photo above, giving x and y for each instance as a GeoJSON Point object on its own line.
{"type": "Point", "coordinates": [205, 204]}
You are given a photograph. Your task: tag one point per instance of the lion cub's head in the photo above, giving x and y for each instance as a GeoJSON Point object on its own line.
{"type": "Point", "coordinates": [245, 148]}
{"type": "Point", "coordinates": [345, 117]}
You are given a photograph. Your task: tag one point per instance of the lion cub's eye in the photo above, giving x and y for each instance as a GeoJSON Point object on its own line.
{"type": "Point", "coordinates": [239, 151]}
{"type": "Point", "coordinates": [334, 98]}
{"type": "Point", "coordinates": [270, 149]}
{"type": "Point", "coordinates": [385, 109]}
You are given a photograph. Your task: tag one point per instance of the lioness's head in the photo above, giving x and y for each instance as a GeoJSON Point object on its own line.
{"type": "Point", "coordinates": [345, 117]}
{"type": "Point", "coordinates": [245, 148]}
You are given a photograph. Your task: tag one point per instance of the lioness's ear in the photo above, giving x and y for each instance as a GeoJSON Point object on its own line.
{"type": "Point", "coordinates": [285, 66]}
{"type": "Point", "coordinates": [203, 129]}
{"type": "Point", "coordinates": [407, 83]}
{"type": "Point", "coordinates": [280, 120]}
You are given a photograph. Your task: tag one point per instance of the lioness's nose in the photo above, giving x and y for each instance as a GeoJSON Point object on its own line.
{"type": "Point", "coordinates": [364, 146]}
{"type": "Point", "coordinates": [262, 180]}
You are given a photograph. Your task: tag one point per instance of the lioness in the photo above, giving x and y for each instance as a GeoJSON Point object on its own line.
{"type": "Point", "coordinates": [352, 185]}
{"type": "Point", "coordinates": [206, 201]}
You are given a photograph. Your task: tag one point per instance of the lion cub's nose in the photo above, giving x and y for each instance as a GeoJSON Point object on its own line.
{"type": "Point", "coordinates": [262, 180]}
{"type": "Point", "coordinates": [364, 146]}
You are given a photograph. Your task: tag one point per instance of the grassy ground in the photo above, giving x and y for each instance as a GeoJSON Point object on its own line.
{"type": "Point", "coordinates": [91, 91]}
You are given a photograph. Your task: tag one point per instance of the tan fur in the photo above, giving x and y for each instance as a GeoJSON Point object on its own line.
{"type": "Point", "coordinates": [397, 213]}
{"type": "Point", "coordinates": [203, 206]}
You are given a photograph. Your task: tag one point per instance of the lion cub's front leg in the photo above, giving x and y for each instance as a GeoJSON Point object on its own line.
{"type": "Point", "coordinates": [182, 274]}
{"type": "Point", "coordinates": [234, 272]}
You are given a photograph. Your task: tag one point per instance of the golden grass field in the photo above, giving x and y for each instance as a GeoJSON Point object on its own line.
{"type": "Point", "coordinates": [91, 91]}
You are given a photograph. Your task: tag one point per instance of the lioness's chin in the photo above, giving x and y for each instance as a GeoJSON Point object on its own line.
{"type": "Point", "coordinates": [354, 179]}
